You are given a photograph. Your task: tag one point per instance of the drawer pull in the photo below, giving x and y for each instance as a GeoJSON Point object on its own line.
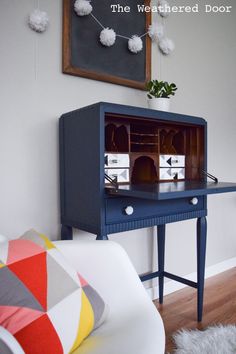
{"type": "Point", "coordinates": [129, 210]}
{"type": "Point", "coordinates": [194, 201]}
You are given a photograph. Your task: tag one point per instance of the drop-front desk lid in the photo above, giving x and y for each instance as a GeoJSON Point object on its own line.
{"type": "Point", "coordinates": [171, 190]}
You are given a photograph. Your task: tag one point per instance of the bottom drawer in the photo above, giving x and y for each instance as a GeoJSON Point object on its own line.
{"type": "Point", "coordinates": [125, 209]}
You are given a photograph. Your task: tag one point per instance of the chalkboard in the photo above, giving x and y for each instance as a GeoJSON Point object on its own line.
{"type": "Point", "coordinates": [84, 55]}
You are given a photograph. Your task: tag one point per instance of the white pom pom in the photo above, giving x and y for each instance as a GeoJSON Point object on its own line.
{"type": "Point", "coordinates": [166, 45]}
{"type": "Point", "coordinates": [162, 8]}
{"type": "Point", "coordinates": [38, 21]}
{"type": "Point", "coordinates": [83, 7]}
{"type": "Point", "coordinates": [107, 37]}
{"type": "Point", "coordinates": [156, 32]}
{"type": "Point", "coordinates": [135, 44]}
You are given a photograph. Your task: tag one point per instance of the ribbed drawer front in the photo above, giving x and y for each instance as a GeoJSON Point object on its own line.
{"type": "Point", "coordinates": [124, 209]}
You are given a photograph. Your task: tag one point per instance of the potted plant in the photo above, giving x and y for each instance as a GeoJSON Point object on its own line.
{"type": "Point", "coordinates": [159, 93]}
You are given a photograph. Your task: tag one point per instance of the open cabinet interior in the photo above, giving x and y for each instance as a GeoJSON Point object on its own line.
{"type": "Point", "coordinates": [141, 151]}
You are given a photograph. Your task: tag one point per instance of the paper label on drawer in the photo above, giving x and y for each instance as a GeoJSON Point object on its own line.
{"type": "Point", "coordinates": [172, 161]}
{"type": "Point", "coordinates": [116, 160]}
{"type": "Point", "coordinates": [120, 174]}
{"type": "Point", "coordinates": [171, 173]}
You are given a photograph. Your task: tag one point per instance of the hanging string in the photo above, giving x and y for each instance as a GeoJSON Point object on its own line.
{"type": "Point", "coordinates": [36, 4]}
{"type": "Point", "coordinates": [143, 35]}
{"type": "Point", "coordinates": [119, 35]}
{"type": "Point", "coordinates": [95, 18]}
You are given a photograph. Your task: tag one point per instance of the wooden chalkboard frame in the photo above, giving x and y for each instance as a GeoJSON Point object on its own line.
{"type": "Point", "coordinates": [68, 68]}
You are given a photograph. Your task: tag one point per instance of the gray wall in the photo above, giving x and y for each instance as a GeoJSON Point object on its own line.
{"type": "Point", "coordinates": [34, 93]}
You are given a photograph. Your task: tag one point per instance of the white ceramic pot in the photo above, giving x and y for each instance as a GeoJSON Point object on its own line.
{"type": "Point", "coordinates": [160, 104]}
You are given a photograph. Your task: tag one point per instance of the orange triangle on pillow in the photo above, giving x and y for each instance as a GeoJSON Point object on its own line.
{"type": "Point", "coordinates": [32, 272]}
{"type": "Point", "coordinates": [40, 337]}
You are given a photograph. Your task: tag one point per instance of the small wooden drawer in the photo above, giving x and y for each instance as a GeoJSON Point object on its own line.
{"type": "Point", "coordinates": [117, 160]}
{"type": "Point", "coordinates": [172, 161]}
{"type": "Point", "coordinates": [125, 209]}
{"type": "Point", "coordinates": [167, 174]}
{"type": "Point", "coordinates": [121, 175]}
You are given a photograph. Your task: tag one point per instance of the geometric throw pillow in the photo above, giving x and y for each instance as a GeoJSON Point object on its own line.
{"type": "Point", "coordinates": [44, 303]}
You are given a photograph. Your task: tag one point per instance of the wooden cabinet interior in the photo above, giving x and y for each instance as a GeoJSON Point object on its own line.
{"type": "Point", "coordinates": [146, 139]}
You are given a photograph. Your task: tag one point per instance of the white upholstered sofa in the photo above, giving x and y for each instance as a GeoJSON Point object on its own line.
{"type": "Point", "coordinates": [133, 326]}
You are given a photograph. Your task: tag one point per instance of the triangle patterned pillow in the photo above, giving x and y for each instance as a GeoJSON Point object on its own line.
{"type": "Point", "coordinates": [44, 303]}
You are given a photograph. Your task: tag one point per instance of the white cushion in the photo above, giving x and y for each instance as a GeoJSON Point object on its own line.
{"type": "Point", "coordinates": [134, 325]}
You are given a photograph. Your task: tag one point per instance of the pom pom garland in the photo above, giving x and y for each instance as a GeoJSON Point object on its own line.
{"type": "Point", "coordinates": [38, 21]}
{"type": "Point", "coordinates": [156, 32]}
{"type": "Point", "coordinates": [162, 6]}
{"type": "Point", "coordinates": [83, 7]}
{"type": "Point", "coordinates": [135, 44]}
{"type": "Point", "coordinates": [107, 37]}
{"type": "Point", "coordinates": [166, 45]}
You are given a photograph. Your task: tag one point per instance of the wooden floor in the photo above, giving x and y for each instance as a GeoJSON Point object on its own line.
{"type": "Point", "coordinates": [179, 308]}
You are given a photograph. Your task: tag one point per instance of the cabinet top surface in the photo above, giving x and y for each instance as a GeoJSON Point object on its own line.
{"type": "Point", "coordinates": [113, 108]}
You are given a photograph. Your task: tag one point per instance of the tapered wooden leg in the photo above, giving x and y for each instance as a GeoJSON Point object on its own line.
{"type": "Point", "coordinates": [66, 232]}
{"type": "Point", "coordinates": [161, 230]}
{"type": "Point", "coordinates": [102, 237]}
{"type": "Point", "coordinates": [201, 256]}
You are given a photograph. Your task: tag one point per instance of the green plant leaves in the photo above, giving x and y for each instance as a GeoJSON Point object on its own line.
{"type": "Point", "coordinates": [159, 89]}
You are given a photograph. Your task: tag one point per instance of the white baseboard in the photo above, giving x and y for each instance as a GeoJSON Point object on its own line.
{"type": "Point", "coordinates": [172, 286]}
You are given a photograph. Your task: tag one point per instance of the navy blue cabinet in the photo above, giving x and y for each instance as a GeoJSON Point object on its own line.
{"type": "Point", "coordinates": [124, 167]}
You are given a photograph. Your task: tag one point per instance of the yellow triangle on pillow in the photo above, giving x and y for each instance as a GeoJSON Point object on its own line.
{"type": "Point", "coordinates": [86, 323]}
{"type": "Point", "coordinates": [48, 244]}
